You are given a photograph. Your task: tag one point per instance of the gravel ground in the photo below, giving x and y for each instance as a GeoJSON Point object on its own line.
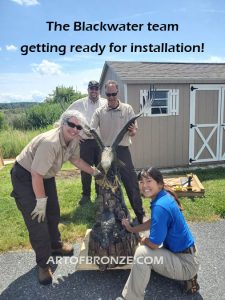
{"type": "Point", "coordinates": [18, 275]}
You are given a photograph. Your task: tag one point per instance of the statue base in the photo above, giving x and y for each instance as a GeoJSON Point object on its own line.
{"type": "Point", "coordinates": [85, 262]}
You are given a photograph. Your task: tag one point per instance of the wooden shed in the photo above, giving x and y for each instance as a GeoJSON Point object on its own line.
{"type": "Point", "coordinates": [186, 121]}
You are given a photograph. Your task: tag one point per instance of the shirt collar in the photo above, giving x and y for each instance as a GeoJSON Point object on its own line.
{"type": "Point", "coordinates": [92, 102]}
{"type": "Point", "coordinates": [158, 196]}
{"type": "Point", "coordinates": [118, 107]}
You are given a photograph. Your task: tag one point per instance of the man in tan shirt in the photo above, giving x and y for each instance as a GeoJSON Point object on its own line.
{"type": "Point", "coordinates": [34, 188]}
{"type": "Point", "coordinates": [110, 119]}
{"type": "Point", "coordinates": [89, 150]}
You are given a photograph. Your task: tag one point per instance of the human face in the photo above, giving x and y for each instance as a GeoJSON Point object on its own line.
{"type": "Point", "coordinates": [113, 101]}
{"type": "Point", "coordinates": [93, 93]}
{"type": "Point", "coordinates": [149, 187]}
{"type": "Point", "coordinates": [70, 133]}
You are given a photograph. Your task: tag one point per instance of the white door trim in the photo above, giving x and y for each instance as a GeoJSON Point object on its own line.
{"type": "Point", "coordinates": [194, 128]}
{"type": "Point", "coordinates": [222, 125]}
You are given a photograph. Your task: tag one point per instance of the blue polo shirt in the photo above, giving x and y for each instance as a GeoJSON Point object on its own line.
{"type": "Point", "coordinates": [168, 225]}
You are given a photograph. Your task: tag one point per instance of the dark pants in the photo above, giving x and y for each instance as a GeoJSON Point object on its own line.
{"type": "Point", "coordinates": [130, 182]}
{"type": "Point", "coordinates": [89, 152]}
{"type": "Point", "coordinates": [45, 235]}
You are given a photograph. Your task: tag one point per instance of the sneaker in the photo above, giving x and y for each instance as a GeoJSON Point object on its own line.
{"type": "Point", "coordinates": [120, 298]}
{"type": "Point", "coordinates": [84, 200]}
{"type": "Point", "coordinates": [66, 250]}
{"type": "Point", "coordinates": [44, 275]}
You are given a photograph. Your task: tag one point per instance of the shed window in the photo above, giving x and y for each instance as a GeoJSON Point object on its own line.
{"type": "Point", "coordinates": [163, 102]}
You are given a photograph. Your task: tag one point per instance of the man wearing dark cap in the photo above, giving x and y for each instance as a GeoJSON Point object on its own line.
{"type": "Point", "coordinates": [89, 150]}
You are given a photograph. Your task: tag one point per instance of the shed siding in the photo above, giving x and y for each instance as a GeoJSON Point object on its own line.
{"type": "Point", "coordinates": [162, 141]}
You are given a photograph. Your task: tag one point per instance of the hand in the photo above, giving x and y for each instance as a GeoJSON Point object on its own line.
{"type": "Point", "coordinates": [97, 174]}
{"type": "Point", "coordinates": [132, 130]}
{"type": "Point", "coordinates": [127, 225]}
{"type": "Point", "coordinates": [40, 209]}
{"type": "Point", "coordinates": [143, 240]}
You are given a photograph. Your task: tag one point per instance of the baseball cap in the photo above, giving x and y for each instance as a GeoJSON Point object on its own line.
{"type": "Point", "coordinates": [93, 83]}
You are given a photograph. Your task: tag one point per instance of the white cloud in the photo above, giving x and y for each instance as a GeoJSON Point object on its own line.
{"type": "Point", "coordinates": [210, 59]}
{"type": "Point", "coordinates": [22, 86]}
{"type": "Point", "coordinates": [35, 96]}
{"type": "Point", "coordinates": [47, 68]}
{"type": "Point", "coordinates": [11, 48]}
{"type": "Point", "coordinates": [0, 49]}
{"type": "Point", "coordinates": [216, 59]}
{"type": "Point", "coordinates": [26, 2]}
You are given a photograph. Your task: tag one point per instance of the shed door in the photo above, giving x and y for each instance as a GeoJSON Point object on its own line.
{"type": "Point", "coordinates": [207, 127]}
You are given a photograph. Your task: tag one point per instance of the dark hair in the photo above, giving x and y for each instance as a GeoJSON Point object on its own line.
{"type": "Point", "coordinates": [158, 177]}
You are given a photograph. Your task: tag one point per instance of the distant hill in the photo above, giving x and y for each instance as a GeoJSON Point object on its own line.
{"type": "Point", "coordinates": [17, 105]}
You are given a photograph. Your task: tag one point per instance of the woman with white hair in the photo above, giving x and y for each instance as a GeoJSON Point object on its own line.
{"type": "Point", "coordinates": [34, 188]}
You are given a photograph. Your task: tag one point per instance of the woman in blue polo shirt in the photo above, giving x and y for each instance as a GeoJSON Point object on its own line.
{"type": "Point", "coordinates": [169, 250]}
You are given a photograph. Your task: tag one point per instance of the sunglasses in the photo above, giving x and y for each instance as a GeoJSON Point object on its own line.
{"type": "Point", "coordinates": [93, 88]}
{"type": "Point", "coordinates": [111, 94]}
{"type": "Point", "coordinates": [72, 125]}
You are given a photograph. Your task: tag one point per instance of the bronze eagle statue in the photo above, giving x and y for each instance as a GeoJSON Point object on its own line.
{"type": "Point", "coordinates": [108, 237]}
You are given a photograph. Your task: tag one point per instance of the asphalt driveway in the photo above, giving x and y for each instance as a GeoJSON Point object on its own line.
{"type": "Point", "coordinates": [18, 275]}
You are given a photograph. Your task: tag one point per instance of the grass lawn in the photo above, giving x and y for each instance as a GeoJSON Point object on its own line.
{"type": "Point", "coordinates": [75, 219]}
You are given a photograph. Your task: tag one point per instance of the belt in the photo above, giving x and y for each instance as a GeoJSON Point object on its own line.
{"type": "Point", "coordinates": [190, 250]}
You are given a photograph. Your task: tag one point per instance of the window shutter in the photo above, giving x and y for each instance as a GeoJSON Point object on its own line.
{"type": "Point", "coordinates": [174, 102]}
{"type": "Point", "coordinates": [144, 98]}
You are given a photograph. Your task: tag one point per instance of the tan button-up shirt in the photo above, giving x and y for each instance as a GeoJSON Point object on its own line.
{"type": "Point", "coordinates": [47, 152]}
{"type": "Point", "coordinates": [111, 121]}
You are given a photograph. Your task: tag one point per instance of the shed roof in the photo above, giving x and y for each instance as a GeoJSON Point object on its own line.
{"type": "Point", "coordinates": [137, 72]}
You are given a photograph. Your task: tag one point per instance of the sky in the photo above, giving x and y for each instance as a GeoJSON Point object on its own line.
{"type": "Point", "coordinates": [34, 74]}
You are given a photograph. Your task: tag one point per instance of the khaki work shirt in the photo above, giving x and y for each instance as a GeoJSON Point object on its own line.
{"type": "Point", "coordinates": [87, 108]}
{"type": "Point", "coordinates": [47, 152]}
{"type": "Point", "coordinates": [111, 121]}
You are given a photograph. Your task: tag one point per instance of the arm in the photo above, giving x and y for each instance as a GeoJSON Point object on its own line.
{"type": "Point", "coordinates": [95, 120]}
{"type": "Point", "coordinates": [83, 166]}
{"type": "Point", "coordinates": [37, 184]}
{"type": "Point", "coordinates": [132, 129]}
{"type": "Point", "coordinates": [142, 227]}
{"type": "Point", "coordinates": [145, 241]}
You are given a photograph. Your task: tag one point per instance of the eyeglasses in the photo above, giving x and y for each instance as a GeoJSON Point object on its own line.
{"type": "Point", "coordinates": [111, 94]}
{"type": "Point", "coordinates": [93, 88]}
{"type": "Point", "coordinates": [72, 125]}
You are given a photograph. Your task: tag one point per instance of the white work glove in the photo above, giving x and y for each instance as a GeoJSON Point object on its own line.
{"type": "Point", "coordinates": [40, 209]}
{"type": "Point", "coordinates": [97, 174]}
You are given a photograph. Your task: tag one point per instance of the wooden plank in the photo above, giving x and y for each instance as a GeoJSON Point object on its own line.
{"type": "Point", "coordinates": [179, 184]}
{"type": "Point", "coordinates": [198, 183]}
{"type": "Point", "coordinates": [83, 258]}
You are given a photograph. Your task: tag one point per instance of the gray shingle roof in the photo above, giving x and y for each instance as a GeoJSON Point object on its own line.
{"type": "Point", "coordinates": [167, 72]}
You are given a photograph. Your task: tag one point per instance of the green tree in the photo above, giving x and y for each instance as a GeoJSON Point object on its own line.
{"type": "Point", "coordinates": [64, 96]}
{"type": "Point", "coordinates": [42, 115]}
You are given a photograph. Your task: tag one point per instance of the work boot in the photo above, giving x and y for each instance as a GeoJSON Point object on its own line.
{"type": "Point", "coordinates": [65, 250]}
{"type": "Point", "coordinates": [84, 200]}
{"type": "Point", "coordinates": [44, 275]}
